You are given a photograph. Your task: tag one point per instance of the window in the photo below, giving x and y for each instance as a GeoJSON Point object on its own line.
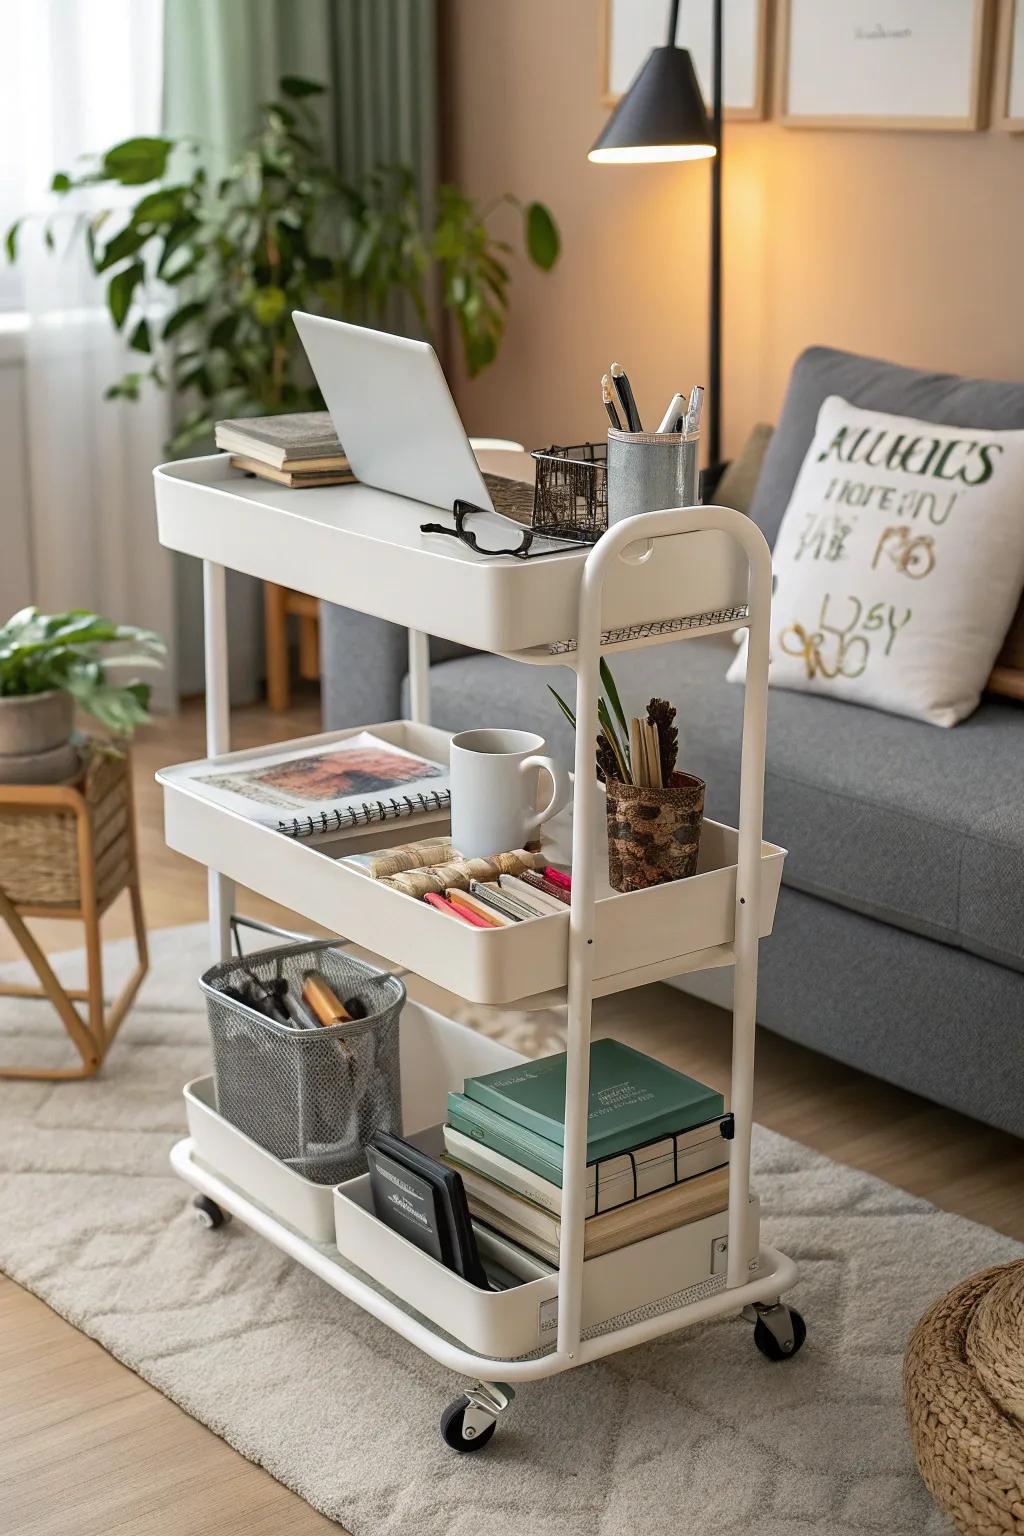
{"type": "Point", "coordinates": [75, 77]}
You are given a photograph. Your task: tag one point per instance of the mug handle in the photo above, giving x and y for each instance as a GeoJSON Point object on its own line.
{"type": "Point", "coordinates": [560, 788]}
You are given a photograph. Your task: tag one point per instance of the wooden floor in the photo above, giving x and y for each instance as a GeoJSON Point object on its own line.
{"type": "Point", "coordinates": [85, 1445]}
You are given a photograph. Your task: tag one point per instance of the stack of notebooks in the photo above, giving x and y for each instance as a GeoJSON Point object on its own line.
{"type": "Point", "coordinates": [298, 450]}
{"type": "Point", "coordinates": [657, 1149]}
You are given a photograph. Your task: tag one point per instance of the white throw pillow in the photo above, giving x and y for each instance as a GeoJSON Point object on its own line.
{"type": "Point", "coordinates": [898, 563]}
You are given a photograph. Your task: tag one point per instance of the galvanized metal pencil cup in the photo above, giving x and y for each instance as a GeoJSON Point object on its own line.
{"type": "Point", "coordinates": [649, 471]}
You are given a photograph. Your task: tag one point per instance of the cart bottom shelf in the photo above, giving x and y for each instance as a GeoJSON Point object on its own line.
{"type": "Point", "coordinates": [776, 1273]}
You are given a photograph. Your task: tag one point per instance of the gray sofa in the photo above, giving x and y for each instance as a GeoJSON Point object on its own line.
{"type": "Point", "coordinates": [899, 939]}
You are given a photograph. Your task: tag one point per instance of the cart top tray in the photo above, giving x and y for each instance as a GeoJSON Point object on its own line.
{"type": "Point", "coordinates": [354, 544]}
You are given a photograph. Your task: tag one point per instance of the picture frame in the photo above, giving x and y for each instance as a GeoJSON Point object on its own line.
{"type": "Point", "coordinates": [745, 49]}
{"type": "Point", "coordinates": [936, 86]}
{"type": "Point", "coordinates": [1009, 103]}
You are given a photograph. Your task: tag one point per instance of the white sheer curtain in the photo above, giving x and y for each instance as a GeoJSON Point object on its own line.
{"type": "Point", "coordinates": [76, 76]}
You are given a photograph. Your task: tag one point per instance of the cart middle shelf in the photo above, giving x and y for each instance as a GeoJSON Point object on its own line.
{"type": "Point", "coordinates": [640, 936]}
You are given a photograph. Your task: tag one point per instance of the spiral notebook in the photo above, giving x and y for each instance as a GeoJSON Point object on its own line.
{"type": "Point", "coordinates": [312, 791]}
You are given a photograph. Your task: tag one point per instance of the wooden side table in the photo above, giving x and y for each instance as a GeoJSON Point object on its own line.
{"type": "Point", "coordinates": [68, 850]}
{"type": "Point", "coordinates": [280, 604]}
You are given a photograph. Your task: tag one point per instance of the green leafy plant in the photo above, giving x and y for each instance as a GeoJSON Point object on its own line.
{"type": "Point", "coordinates": [613, 749]}
{"type": "Point", "coordinates": [40, 652]}
{"type": "Point", "coordinates": [224, 264]}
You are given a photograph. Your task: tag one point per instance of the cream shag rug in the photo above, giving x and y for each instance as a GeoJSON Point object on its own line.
{"type": "Point", "coordinates": [695, 1433]}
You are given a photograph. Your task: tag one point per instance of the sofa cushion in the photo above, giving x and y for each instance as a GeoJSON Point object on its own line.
{"type": "Point", "coordinates": [367, 690]}
{"type": "Point", "coordinates": [943, 398]}
{"type": "Point", "coordinates": [889, 817]}
{"type": "Point", "coordinates": [898, 563]}
{"type": "Point", "coordinates": [739, 479]}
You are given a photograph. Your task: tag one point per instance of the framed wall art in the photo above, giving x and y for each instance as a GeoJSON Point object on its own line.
{"type": "Point", "coordinates": [1009, 105]}
{"type": "Point", "coordinates": [882, 63]}
{"type": "Point", "coordinates": [631, 28]}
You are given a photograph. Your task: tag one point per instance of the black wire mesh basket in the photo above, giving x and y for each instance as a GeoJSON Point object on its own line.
{"type": "Point", "coordinates": [571, 494]}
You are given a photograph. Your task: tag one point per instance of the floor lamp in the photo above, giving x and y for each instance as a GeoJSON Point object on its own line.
{"type": "Point", "coordinates": [662, 117]}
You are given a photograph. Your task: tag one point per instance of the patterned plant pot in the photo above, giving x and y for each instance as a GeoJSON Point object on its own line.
{"type": "Point", "coordinates": [653, 834]}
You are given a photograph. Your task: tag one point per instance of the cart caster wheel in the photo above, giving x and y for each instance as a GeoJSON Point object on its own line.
{"type": "Point", "coordinates": [464, 1427]}
{"type": "Point", "coordinates": [209, 1214]}
{"type": "Point", "coordinates": [774, 1338]}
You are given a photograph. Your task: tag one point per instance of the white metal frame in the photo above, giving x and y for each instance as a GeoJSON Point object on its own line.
{"type": "Point", "coordinates": [631, 541]}
{"type": "Point", "coordinates": [218, 734]}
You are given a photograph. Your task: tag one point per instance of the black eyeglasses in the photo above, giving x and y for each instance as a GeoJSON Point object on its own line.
{"type": "Point", "coordinates": [523, 550]}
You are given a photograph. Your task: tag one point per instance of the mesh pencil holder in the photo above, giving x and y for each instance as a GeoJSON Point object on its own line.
{"type": "Point", "coordinates": [312, 1097]}
{"type": "Point", "coordinates": [570, 497]}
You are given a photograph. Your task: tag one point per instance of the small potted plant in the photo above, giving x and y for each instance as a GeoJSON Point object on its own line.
{"type": "Point", "coordinates": [654, 811]}
{"type": "Point", "coordinates": [48, 664]}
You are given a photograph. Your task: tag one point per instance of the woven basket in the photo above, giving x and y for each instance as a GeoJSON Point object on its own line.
{"type": "Point", "coordinates": [39, 847]}
{"type": "Point", "coordinates": [963, 1378]}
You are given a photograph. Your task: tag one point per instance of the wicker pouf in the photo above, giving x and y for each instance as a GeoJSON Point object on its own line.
{"type": "Point", "coordinates": [963, 1377]}
{"type": "Point", "coordinates": [995, 1341]}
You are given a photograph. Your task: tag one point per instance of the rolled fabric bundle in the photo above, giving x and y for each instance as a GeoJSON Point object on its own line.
{"type": "Point", "coordinates": [457, 874]}
{"type": "Point", "coordinates": [392, 861]}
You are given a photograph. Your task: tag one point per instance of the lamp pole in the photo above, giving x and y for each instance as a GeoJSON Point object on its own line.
{"type": "Point", "coordinates": [715, 285]}
{"type": "Point", "coordinates": [663, 117]}
{"type": "Point", "coordinates": [714, 418]}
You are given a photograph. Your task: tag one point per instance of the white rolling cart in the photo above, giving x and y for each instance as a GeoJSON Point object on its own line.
{"type": "Point", "coordinates": [692, 571]}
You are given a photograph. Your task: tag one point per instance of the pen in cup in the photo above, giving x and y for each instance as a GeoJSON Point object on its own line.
{"type": "Point", "coordinates": [693, 409]}
{"type": "Point", "coordinates": [609, 403]}
{"type": "Point", "coordinates": [676, 408]}
{"type": "Point", "coordinates": [621, 385]}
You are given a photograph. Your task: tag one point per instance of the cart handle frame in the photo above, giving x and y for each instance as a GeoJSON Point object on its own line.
{"type": "Point", "coordinates": [613, 547]}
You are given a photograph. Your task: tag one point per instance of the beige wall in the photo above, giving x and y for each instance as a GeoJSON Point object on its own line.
{"type": "Point", "coordinates": [905, 245]}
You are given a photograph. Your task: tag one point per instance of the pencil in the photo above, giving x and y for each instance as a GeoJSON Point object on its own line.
{"type": "Point", "coordinates": [460, 916]}
{"type": "Point", "coordinates": [467, 903]}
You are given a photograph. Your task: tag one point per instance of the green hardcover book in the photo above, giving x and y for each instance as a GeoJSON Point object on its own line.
{"type": "Point", "coordinates": [633, 1099]}
{"type": "Point", "coordinates": [526, 1148]}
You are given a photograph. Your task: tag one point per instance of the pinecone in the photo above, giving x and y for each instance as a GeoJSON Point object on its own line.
{"type": "Point", "coordinates": [660, 713]}
{"type": "Point", "coordinates": [607, 767]}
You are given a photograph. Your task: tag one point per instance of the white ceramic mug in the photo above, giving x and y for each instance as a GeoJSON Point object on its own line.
{"type": "Point", "coordinates": [494, 790]}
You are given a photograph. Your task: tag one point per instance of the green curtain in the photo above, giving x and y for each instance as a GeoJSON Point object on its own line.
{"type": "Point", "coordinates": [378, 59]}
{"type": "Point", "coordinates": [222, 58]}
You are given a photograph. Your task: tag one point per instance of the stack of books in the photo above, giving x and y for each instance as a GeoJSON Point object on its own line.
{"type": "Point", "coordinates": [298, 450]}
{"type": "Point", "coordinates": [657, 1153]}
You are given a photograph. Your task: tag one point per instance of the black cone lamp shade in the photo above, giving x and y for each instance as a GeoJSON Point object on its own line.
{"type": "Point", "coordinates": [661, 117]}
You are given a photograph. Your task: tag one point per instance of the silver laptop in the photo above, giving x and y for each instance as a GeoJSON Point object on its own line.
{"type": "Point", "coordinates": [394, 413]}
